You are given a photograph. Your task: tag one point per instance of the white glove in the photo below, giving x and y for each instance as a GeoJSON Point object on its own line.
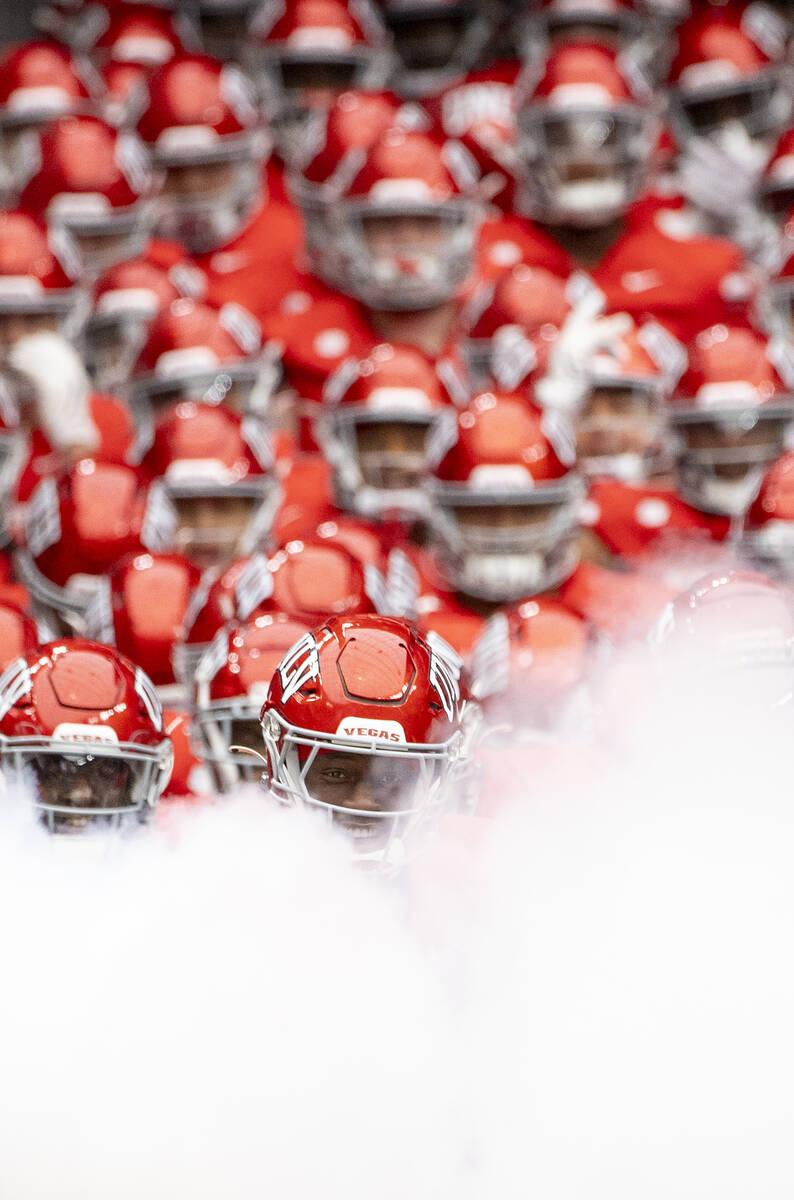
{"type": "Point", "coordinates": [582, 335]}
{"type": "Point", "coordinates": [713, 181]}
{"type": "Point", "coordinates": [62, 389]}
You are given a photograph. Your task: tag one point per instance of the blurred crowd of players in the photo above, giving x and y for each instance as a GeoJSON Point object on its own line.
{"type": "Point", "coordinates": [365, 370]}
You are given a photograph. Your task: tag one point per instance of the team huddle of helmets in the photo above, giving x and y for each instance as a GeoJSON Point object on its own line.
{"type": "Point", "coordinates": [363, 366]}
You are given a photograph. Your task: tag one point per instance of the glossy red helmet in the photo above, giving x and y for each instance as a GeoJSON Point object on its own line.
{"type": "Point", "coordinates": [480, 111]}
{"type": "Point", "coordinates": [39, 273]}
{"type": "Point", "coordinates": [144, 35]}
{"type": "Point", "coordinates": [308, 579]}
{"type": "Point", "coordinates": [82, 728]}
{"type": "Point", "coordinates": [405, 224]}
{"type": "Point", "coordinates": [39, 81]}
{"type": "Point", "coordinates": [95, 182]}
{"type": "Point", "coordinates": [205, 132]}
{"type": "Point", "coordinates": [735, 624]}
{"type": "Point", "coordinates": [19, 635]}
{"type": "Point", "coordinates": [504, 500]}
{"type": "Point", "coordinates": [587, 132]}
{"type": "Point", "coordinates": [77, 527]}
{"type": "Point", "coordinates": [622, 427]}
{"type": "Point", "coordinates": [385, 421]}
{"type": "Point", "coordinates": [516, 320]}
{"type": "Point", "coordinates": [731, 411]}
{"type": "Point", "coordinates": [529, 662]}
{"type": "Point", "coordinates": [231, 683]}
{"type": "Point", "coordinates": [194, 349]}
{"type": "Point", "coordinates": [729, 81]}
{"type": "Point", "coordinates": [363, 722]}
{"type": "Point", "coordinates": [304, 53]}
{"type": "Point", "coordinates": [147, 602]}
{"type": "Point", "coordinates": [126, 298]}
{"type": "Point", "coordinates": [352, 124]}
{"type": "Point", "coordinates": [217, 470]}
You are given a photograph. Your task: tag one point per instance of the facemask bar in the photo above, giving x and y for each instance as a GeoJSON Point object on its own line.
{"type": "Point", "coordinates": [357, 491]}
{"type": "Point", "coordinates": [264, 494]}
{"type": "Point", "coordinates": [59, 606]}
{"type": "Point", "coordinates": [127, 233]}
{"type": "Point", "coordinates": [254, 382]}
{"type": "Point", "coordinates": [214, 722]}
{"type": "Point", "coordinates": [501, 565]}
{"type": "Point", "coordinates": [288, 773]}
{"type": "Point", "coordinates": [413, 277]}
{"type": "Point", "coordinates": [761, 105]}
{"type": "Point", "coordinates": [146, 784]}
{"type": "Point", "coordinates": [583, 166]}
{"type": "Point", "coordinates": [646, 422]}
{"type": "Point", "coordinates": [203, 221]}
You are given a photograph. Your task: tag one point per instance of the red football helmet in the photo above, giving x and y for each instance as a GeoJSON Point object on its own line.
{"type": "Point", "coordinates": [82, 728]}
{"type": "Point", "coordinates": [231, 685]}
{"type": "Point", "coordinates": [529, 663]}
{"type": "Point", "coordinates": [309, 580]}
{"type": "Point", "coordinates": [126, 298]}
{"type": "Point", "coordinates": [587, 133]}
{"type": "Point", "coordinates": [733, 626]}
{"type": "Point", "coordinates": [768, 534]}
{"type": "Point", "coordinates": [352, 124]}
{"type": "Point", "coordinates": [729, 80]}
{"type": "Point", "coordinates": [480, 111]}
{"type": "Point", "coordinates": [363, 722]}
{"type": "Point", "coordinates": [77, 527]}
{"type": "Point", "coordinates": [435, 41]}
{"type": "Point", "coordinates": [39, 272]}
{"type": "Point", "coordinates": [731, 411]}
{"type": "Point", "coordinates": [95, 182]}
{"type": "Point", "coordinates": [515, 322]}
{"type": "Point", "coordinates": [217, 471]}
{"type": "Point", "coordinates": [19, 635]}
{"type": "Point", "coordinates": [621, 423]}
{"type": "Point", "coordinates": [196, 350]}
{"type": "Point", "coordinates": [631, 27]}
{"type": "Point", "coordinates": [405, 224]}
{"type": "Point", "coordinates": [205, 132]}
{"type": "Point", "coordinates": [143, 35]}
{"type": "Point", "coordinates": [385, 421]}
{"type": "Point", "coordinates": [147, 603]}
{"type": "Point", "coordinates": [504, 500]}
{"type": "Point", "coordinates": [304, 53]}
{"type": "Point", "coordinates": [39, 81]}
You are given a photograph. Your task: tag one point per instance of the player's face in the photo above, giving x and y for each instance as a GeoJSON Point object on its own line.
{"type": "Point", "coordinates": [391, 453]}
{"type": "Point", "coordinates": [316, 84]}
{"type": "Point", "coordinates": [368, 783]}
{"type": "Point", "coordinates": [209, 528]}
{"type": "Point", "coordinates": [81, 783]}
{"type": "Point", "coordinates": [398, 234]}
{"type": "Point", "coordinates": [196, 180]}
{"type": "Point", "coordinates": [764, 436]}
{"type": "Point", "coordinates": [614, 421]}
{"type": "Point", "coordinates": [502, 518]}
{"type": "Point", "coordinates": [15, 326]}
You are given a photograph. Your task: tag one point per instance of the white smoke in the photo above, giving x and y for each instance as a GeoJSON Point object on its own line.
{"type": "Point", "coordinates": [589, 995]}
